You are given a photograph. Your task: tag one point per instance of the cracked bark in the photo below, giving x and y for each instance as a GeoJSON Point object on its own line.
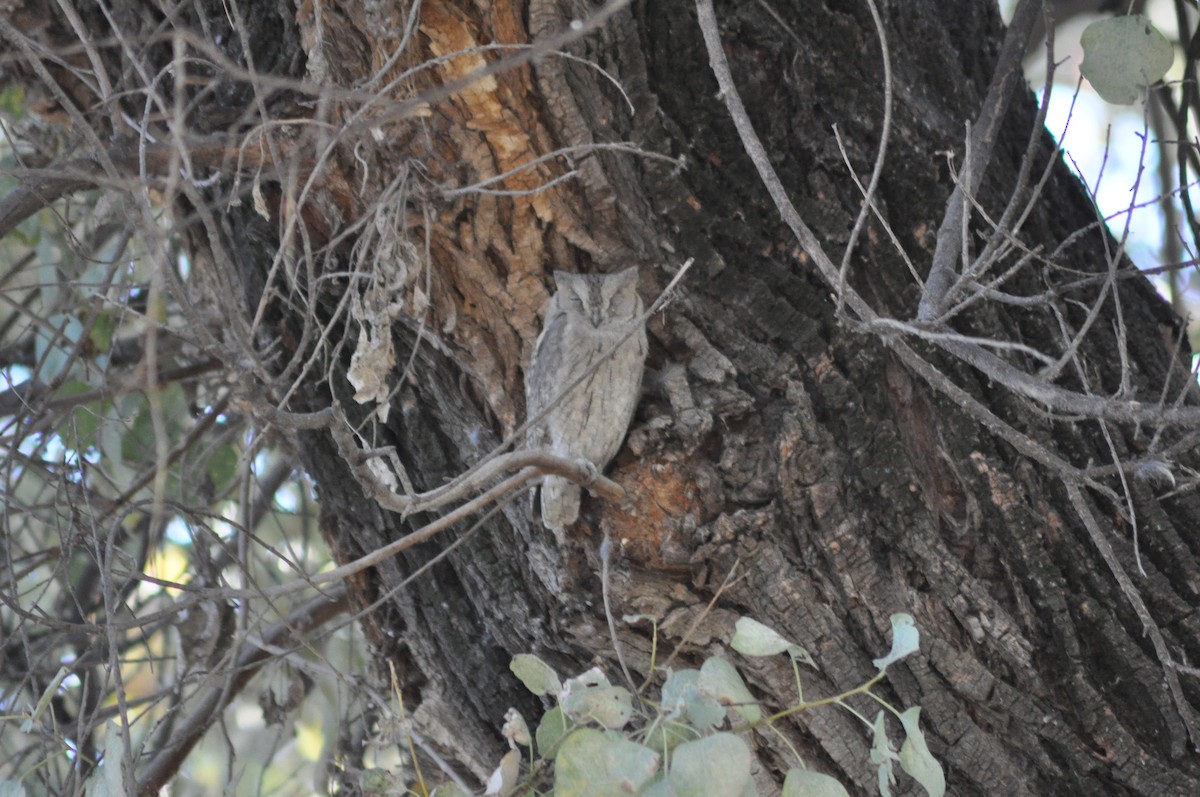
{"type": "Point", "coordinates": [774, 437]}
{"type": "Point", "coordinates": [770, 435]}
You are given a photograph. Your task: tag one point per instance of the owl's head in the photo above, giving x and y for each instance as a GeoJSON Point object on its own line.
{"type": "Point", "coordinates": [601, 298]}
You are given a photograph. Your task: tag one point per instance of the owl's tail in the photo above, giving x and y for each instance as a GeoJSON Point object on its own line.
{"type": "Point", "coordinates": [560, 503]}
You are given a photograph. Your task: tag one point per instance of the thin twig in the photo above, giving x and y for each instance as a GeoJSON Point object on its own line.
{"type": "Point", "coordinates": [1005, 79]}
{"type": "Point", "coordinates": [868, 203]}
{"type": "Point", "coordinates": [1186, 713]}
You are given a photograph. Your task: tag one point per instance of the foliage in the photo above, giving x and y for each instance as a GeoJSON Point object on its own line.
{"type": "Point", "coordinates": [157, 535]}
{"type": "Point", "coordinates": [1124, 55]}
{"type": "Point", "coordinates": [603, 740]}
{"type": "Point", "coordinates": [137, 502]}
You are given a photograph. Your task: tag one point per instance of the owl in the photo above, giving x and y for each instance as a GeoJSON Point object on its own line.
{"type": "Point", "coordinates": [587, 316]}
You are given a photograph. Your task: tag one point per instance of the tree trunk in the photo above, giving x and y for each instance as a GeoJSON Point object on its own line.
{"type": "Point", "coordinates": [773, 440]}
{"type": "Point", "coordinates": [778, 445]}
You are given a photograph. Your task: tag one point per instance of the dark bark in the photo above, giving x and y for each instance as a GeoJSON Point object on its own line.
{"type": "Point", "coordinates": [843, 486]}
{"type": "Point", "coordinates": [846, 487]}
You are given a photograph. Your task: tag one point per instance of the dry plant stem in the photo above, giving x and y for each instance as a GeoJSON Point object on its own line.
{"type": "Point", "coordinates": [1172, 247]}
{"type": "Point", "coordinates": [544, 464]}
{"type": "Point", "coordinates": [335, 421]}
{"type": "Point", "coordinates": [728, 582]}
{"type": "Point", "coordinates": [392, 591]}
{"type": "Point", "coordinates": [1109, 285]}
{"type": "Point", "coordinates": [1001, 371]}
{"type": "Point", "coordinates": [168, 457]}
{"type": "Point", "coordinates": [35, 62]}
{"type": "Point", "coordinates": [813, 248]}
{"type": "Point", "coordinates": [1020, 203]}
{"type": "Point", "coordinates": [1186, 713]}
{"type": "Point", "coordinates": [86, 172]}
{"type": "Point", "coordinates": [868, 204]}
{"type": "Point", "coordinates": [193, 595]}
{"type": "Point", "coordinates": [605, 575]}
{"type": "Point", "coordinates": [250, 658]}
{"type": "Point", "coordinates": [581, 149]}
{"type": "Point", "coordinates": [887, 227]}
{"type": "Point", "coordinates": [1005, 79]}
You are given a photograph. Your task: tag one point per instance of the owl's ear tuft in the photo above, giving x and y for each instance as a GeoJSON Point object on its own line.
{"type": "Point", "coordinates": [563, 278]}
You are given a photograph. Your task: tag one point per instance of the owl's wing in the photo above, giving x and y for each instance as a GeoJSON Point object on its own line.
{"type": "Point", "coordinates": [542, 378]}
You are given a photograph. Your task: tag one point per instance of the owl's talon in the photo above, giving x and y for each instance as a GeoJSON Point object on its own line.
{"type": "Point", "coordinates": [590, 471]}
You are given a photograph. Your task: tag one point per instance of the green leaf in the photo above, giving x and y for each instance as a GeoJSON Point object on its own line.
{"type": "Point", "coordinates": [377, 782]}
{"type": "Point", "coordinates": [538, 676]}
{"type": "Point", "coordinates": [79, 432]}
{"type": "Point", "coordinates": [755, 639]}
{"type": "Point", "coordinates": [666, 735]}
{"type": "Point", "coordinates": [591, 763]}
{"type": "Point", "coordinates": [1123, 55]}
{"type": "Point", "coordinates": [140, 444]}
{"type": "Point", "coordinates": [752, 638]}
{"type": "Point", "coordinates": [102, 330]}
{"type": "Point", "coordinates": [806, 783]}
{"type": "Point", "coordinates": [719, 679]}
{"type": "Point", "coordinates": [683, 698]}
{"type": "Point", "coordinates": [659, 788]}
{"type": "Point", "coordinates": [550, 732]}
{"type": "Point", "coordinates": [715, 766]}
{"type": "Point", "coordinates": [111, 444]}
{"type": "Point", "coordinates": [905, 639]}
{"type": "Point", "coordinates": [915, 758]}
{"type": "Point", "coordinates": [12, 103]}
{"type": "Point", "coordinates": [611, 706]}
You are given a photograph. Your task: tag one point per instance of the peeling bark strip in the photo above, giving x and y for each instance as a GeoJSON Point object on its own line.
{"type": "Point", "coordinates": [848, 465]}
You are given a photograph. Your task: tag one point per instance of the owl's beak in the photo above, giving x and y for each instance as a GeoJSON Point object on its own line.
{"type": "Point", "coordinates": [596, 317]}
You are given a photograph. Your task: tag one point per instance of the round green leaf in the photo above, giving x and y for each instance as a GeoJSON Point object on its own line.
{"type": "Point", "coordinates": [538, 676]}
{"type": "Point", "coordinates": [806, 783]}
{"type": "Point", "coordinates": [715, 766]}
{"type": "Point", "coordinates": [682, 698]}
{"type": "Point", "coordinates": [666, 735]}
{"type": "Point", "coordinates": [660, 788]}
{"type": "Point", "coordinates": [719, 679]}
{"type": "Point", "coordinates": [1123, 55]}
{"type": "Point", "coordinates": [755, 639]}
{"type": "Point", "coordinates": [611, 706]}
{"type": "Point", "coordinates": [595, 764]}
{"type": "Point", "coordinates": [752, 638]}
{"type": "Point", "coordinates": [550, 731]}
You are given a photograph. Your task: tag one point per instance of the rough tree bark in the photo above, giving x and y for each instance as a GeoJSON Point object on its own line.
{"type": "Point", "coordinates": [772, 437]}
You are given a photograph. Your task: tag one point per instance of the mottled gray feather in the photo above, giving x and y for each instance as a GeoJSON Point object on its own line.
{"type": "Point", "coordinates": [586, 317]}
